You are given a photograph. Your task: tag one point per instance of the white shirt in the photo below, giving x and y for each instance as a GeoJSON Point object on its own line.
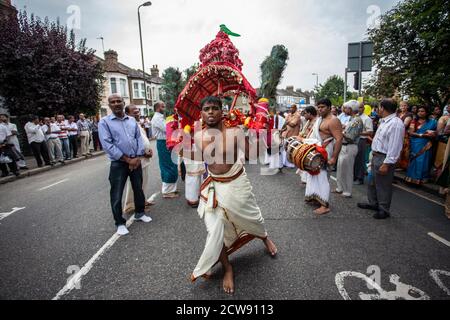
{"type": "Point", "coordinates": [389, 138]}
{"type": "Point", "coordinates": [34, 133]}
{"type": "Point", "coordinates": [12, 139]}
{"type": "Point", "coordinates": [62, 127]}
{"type": "Point", "coordinates": [159, 126]}
{"type": "Point", "coordinates": [53, 128]}
{"type": "Point", "coordinates": [72, 125]}
{"type": "Point", "coordinates": [4, 133]}
{"type": "Point", "coordinates": [368, 124]}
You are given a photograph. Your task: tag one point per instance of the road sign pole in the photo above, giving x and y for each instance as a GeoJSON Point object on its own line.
{"type": "Point", "coordinates": [360, 67]}
{"type": "Point", "coordinates": [345, 85]}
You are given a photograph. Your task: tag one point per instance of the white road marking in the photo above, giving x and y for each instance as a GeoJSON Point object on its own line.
{"type": "Point", "coordinates": [410, 191]}
{"type": "Point", "coordinates": [419, 195]}
{"type": "Point", "coordinates": [441, 240]}
{"type": "Point", "coordinates": [75, 280]}
{"type": "Point", "coordinates": [435, 275]}
{"type": "Point", "coordinates": [52, 185]}
{"type": "Point", "coordinates": [3, 215]}
{"type": "Point", "coordinates": [402, 291]}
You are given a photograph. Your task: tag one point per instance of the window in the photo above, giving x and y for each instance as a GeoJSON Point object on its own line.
{"type": "Point", "coordinates": [123, 88]}
{"type": "Point", "coordinates": [149, 93]}
{"type": "Point", "coordinates": [113, 85]}
{"type": "Point", "coordinates": [138, 90]}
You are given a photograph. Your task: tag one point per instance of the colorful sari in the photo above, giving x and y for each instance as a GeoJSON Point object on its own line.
{"type": "Point", "coordinates": [169, 170]}
{"type": "Point", "coordinates": [421, 153]}
{"type": "Point", "coordinates": [403, 162]}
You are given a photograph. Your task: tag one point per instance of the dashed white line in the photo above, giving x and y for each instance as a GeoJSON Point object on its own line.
{"type": "Point", "coordinates": [3, 215]}
{"type": "Point", "coordinates": [441, 240]}
{"type": "Point", "coordinates": [76, 279]}
{"type": "Point", "coordinates": [52, 185]}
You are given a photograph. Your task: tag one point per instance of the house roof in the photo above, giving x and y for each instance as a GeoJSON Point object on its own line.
{"type": "Point", "coordinates": [288, 93]}
{"type": "Point", "coordinates": [130, 72]}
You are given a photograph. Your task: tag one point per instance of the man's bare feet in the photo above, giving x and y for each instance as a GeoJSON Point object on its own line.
{"type": "Point", "coordinates": [322, 211]}
{"type": "Point", "coordinates": [228, 281]}
{"type": "Point", "coordinates": [270, 247]}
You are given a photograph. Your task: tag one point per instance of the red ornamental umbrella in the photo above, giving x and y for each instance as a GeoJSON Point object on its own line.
{"type": "Point", "coordinates": [219, 75]}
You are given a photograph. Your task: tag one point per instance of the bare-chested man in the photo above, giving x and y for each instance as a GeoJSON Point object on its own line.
{"type": "Point", "coordinates": [292, 128]}
{"type": "Point", "coordinates": [327, 131]}
{"type": "Point", "coordinates": [227, 204]}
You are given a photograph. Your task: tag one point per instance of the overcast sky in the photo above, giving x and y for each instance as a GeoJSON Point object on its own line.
{"type": "Point", "coordinates": [316, 32]}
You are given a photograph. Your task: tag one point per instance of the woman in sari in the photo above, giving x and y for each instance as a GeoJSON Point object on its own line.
{"type": "Point", "coordinates": [406, 117]}
{"type": "Point", "coordinates": [422, 131]}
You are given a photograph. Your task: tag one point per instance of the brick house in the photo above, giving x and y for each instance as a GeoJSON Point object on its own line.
{"type": "Point", "coordinates": [129, 83]}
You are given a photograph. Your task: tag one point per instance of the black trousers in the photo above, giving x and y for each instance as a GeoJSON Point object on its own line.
{"type": "Point", "coordinates": [73, 145]}
{"type": "Point", "coordinates": [380, 187]}
{"type": "Point", "coordinates": [40, 149]}
{"type": "Point", "coordinates": [97, 143]}
{"type": "Point", "coordinates": [12, 167]}
{"type": "Point", "coordinates": [118, 176]}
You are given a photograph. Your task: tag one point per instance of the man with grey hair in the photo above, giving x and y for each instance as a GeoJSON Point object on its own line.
{"type": "Point", "coordinates": [168, 169]}
{"type": "Point", "coordinates": [121, 139]}
{"type": "Point", "coordinates": [349, 150]}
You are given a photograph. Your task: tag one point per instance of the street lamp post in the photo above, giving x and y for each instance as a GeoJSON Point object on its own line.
{"type": "Point", "coordinates": [146, 4]}
{"type": "Point", "coordinates": [103, 44]}
{"type": "Point", "coordinates": [317, 78]}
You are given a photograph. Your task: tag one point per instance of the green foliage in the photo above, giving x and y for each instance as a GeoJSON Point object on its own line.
{"type": "Point", "coordinates": [332, 89]}
{"type": "Point", "coordinates": [272, 70]}
{"type": "Point", "coordinates": [172, 86]}
{"type": "Point", "coordinates": [411, 49]}
{"type": "Point", "coordinates": [189, 72]}
{"type": "Point", "coordinates": [44, 71]}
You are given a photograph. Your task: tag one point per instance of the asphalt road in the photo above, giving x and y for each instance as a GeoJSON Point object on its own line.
{"type": "Point", "coordinates": [66, 224]}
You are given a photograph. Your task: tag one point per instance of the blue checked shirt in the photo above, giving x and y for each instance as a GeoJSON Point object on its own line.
{"type": "Point", "coordinates": [120, 137]}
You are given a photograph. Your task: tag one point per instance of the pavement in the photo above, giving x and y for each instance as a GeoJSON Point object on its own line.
{"type": "Point", "coordinates": [57, 241]}
{"type": "Point", "coordinates": [33, 168]}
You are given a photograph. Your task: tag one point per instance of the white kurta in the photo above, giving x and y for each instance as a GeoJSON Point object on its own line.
{"type": "Point", "coordinates": [318, 186]}
{"type": "Point", "coordinates": [235, 216]}
{"type": "Point", "coordinates": [128, 206]}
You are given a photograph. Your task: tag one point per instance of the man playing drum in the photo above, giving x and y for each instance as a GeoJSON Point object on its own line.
{"type": "Point", "coordinates": [327, 131]}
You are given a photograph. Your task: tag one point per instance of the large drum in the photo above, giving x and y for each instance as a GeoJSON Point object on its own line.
{"type": "Point", "coordinates": [306, 157]}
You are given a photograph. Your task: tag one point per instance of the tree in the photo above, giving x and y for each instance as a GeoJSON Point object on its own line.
{"type": "Point", "coordinates": [332, 89]}
{"type": "Point", "coordinates": [44, 71]}
{"type": "Point", "coordinates": [189, 72]}
{"type": "Point", "coordinates": [411, 50]}
{"type": "Point", "coordinates": [172, 86]}
{"type": "Point", "coordinates": [272, 70]}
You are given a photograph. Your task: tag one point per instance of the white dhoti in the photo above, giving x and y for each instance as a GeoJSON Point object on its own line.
{"type": "Point", "coordinates": [194, 173]}
{"type": "Point", "coordinates": [318, 186]}
{"type": "Point", "coordinates": [231, 215]}
{"type": "Point", "coordinates": [276, 161]}
{"type": "Point", "coordinates": [128, 206]}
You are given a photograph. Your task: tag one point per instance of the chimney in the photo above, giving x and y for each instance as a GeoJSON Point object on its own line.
{"type": "Point", "coordinates": [154, 71]}
{"type": "Point", "coordinates": [111, 60]}
{"type": "Point", "coordinates": [290, 88]}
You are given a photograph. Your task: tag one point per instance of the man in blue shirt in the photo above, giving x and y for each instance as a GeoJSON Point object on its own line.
{"type": "Point", "coordinates": [120, 137]}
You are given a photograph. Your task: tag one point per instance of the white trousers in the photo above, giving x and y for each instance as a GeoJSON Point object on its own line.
{"type": "Point", "coordinates": [345, 167]}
